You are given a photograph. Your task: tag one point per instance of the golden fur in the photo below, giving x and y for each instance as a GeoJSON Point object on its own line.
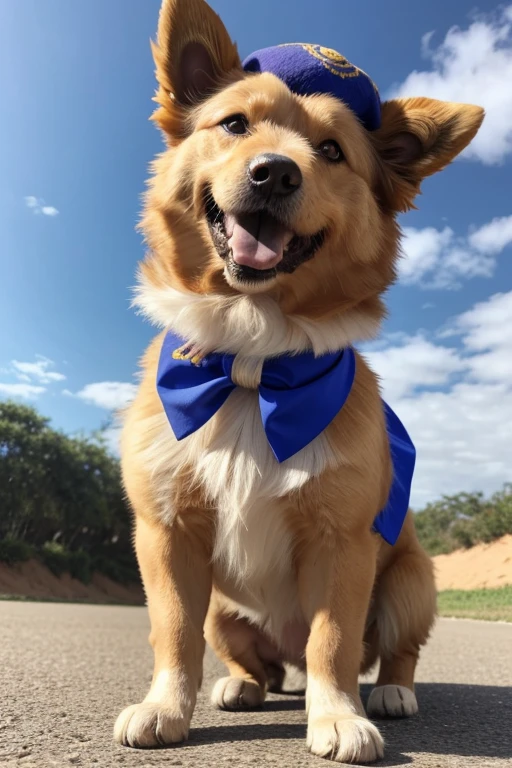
{"type": "Point", "coordinates": [275, 564]}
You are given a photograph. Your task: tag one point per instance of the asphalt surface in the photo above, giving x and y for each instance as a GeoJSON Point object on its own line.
{"type": "Point", "coordinates": [66, 671]}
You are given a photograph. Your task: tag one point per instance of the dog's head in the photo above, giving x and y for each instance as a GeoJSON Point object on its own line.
{"type": "Point", "coordinates": [266, 192]}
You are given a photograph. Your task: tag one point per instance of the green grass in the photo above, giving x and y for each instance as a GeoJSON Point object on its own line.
{"type": "Point", "coordinates": [486, 604]}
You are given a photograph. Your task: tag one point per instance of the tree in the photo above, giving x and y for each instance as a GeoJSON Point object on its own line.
{"type": "Point", "coordinates": [60, 489]}
{"type": "Point", "coordinates": [464, 520]}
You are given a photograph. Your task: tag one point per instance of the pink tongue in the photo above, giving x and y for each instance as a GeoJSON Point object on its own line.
{"type": "Point", "coordinates": [256, 240]}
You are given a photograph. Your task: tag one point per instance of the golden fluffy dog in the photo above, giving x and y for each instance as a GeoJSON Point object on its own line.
{"type": "Point", "coordinates": [276, 564]}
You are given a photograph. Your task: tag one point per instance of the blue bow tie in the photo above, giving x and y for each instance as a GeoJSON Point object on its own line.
{"type": "Point", "coordinates": [299, 396]}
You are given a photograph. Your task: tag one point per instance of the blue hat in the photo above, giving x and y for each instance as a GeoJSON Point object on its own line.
{"type": "Point", "coordinates": [308, 69]}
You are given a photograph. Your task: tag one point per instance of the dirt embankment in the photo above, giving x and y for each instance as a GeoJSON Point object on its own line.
{"type": "Point", "coordinates": [486, 565]}
{"type": "Point", "coordinates": [33, 580]}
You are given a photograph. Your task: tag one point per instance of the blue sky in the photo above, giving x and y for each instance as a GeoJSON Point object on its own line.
{"type": "Point", "coordinates": [76, 81]}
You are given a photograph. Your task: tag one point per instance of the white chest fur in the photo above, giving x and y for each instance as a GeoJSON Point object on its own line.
{"type": "Point", "coordinates": [233, 462]}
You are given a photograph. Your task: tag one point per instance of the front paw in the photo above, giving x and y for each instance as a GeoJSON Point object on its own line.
{"type": "Point", "coordinates": [236, 693]}
{"type": "Point", "coordinates": [345, 739]}
{"type": "Point", "coordinates": [149, 725]}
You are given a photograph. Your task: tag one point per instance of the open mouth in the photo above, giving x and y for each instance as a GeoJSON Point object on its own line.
{"type": "Point", "coordinates": [257, 246]}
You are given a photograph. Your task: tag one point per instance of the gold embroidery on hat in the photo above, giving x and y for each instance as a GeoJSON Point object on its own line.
{"type": "Point", "coordinates": [328, 55]}
{"type": "Point", "coordinates": [333, 55]}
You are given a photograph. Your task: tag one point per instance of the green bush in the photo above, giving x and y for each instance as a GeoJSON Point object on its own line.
{"type": "Point", "coordinates": [60, 560]}
{"type": "Point", "coordinates": [55, 557]}
{"type": "Point", "coordinates": [14, 551]}
{"type": "Point", "coordinates": [464, 534]}
{"type": "Point", "coordinates": [464, 520]}
{"type": "Point", "coordinates": [80, 565]}
{"type": "Point", "coordinates": [121, 572]}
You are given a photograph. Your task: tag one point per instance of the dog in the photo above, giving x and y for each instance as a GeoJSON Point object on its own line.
{"type": "Point", "coordinates": [270, 483]}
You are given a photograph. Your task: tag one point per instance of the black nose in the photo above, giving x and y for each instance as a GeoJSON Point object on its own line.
{"type": "Point", "coordinates": [274, 175]}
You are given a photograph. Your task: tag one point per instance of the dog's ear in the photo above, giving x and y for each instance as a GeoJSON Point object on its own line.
{"type": "Point", "coordinates": [417, 138]}
{"type": "Point", "coordinates": [194, 55]}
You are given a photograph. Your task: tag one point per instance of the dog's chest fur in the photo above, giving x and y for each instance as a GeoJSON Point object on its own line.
{"type": "Point", "coordinates": [233, 462]}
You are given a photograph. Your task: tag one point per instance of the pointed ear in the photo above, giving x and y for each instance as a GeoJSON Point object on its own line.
{"type": "Point", "coordinates": [194, 55]}
{"type": "Point", "coordinates": [417, 138]}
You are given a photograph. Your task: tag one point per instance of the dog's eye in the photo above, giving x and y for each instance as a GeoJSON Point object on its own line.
{"type": "Point", "coordinates": [331, 150]}
{"type": "Point", "coordinates": [235, 124]}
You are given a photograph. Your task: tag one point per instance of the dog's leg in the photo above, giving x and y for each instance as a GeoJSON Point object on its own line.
{"type": "Point", "coordinates": [370, 648]}
{"type": "Point", "coordinates": [290, 679]}
{"type": "Point", "coordinates": [335, 584]}
{"type": "Point", "coordinates": [235, 643]}
{"type": "Point", "coordinates": [175, 568]}
{"type": "Point", "coordinates": [393, 695]}
{"type": "Point", "coordinates": [405, 605]}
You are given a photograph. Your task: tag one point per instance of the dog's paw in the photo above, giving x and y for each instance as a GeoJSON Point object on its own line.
{"type": "Point", "coordinates": [345, 739]}
{"type": "Point", "coordinates": [150, 725]}
{"type": "Point", "coordinates": [236, 693]}
{"type": "Point", "coordinates": [392, 701]}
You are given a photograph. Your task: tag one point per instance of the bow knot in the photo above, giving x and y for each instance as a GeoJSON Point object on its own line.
{"type": "Point", "coordinates": [246, 372]}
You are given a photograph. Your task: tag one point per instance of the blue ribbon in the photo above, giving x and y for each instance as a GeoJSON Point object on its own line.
{"type": "Point", "coordinates": [299, 396]}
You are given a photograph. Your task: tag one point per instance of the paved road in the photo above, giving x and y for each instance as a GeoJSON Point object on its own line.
{"type": "Point", "coordinates": [67, 670]}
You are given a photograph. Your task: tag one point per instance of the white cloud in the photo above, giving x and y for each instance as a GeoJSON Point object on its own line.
{"type": "Point", "coordinates": [49, 210]}
{"type": "Point", "coordinates": [37, 206]}
{"type": "Point", "coordinates": [456, 402]}
{"type": "Point", "coordinates": [473, 65]}
{"type": "Point", "coordinates": [26, 391]}
{"type": "Point", "coordinates": [488, 323]}
{"type": "Point", "coordinates": [110, 395]}
{"type": "Point", "coordinates": [30, 377]}
{"type": "Point", "coordinates": [439, 259]}
{"type": "Point", "coordinates": [416, 363]}
{"type": "Point", "coordinates": [493, 237]}
{"type": "Point", "coordinates": [486, 329]}
{"type": "Point", "coordinates": [462, 439]}
{"type": "Point", "coordinates": [39, 371]}
{"type": "Point", "coordinates": [422, 249]}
